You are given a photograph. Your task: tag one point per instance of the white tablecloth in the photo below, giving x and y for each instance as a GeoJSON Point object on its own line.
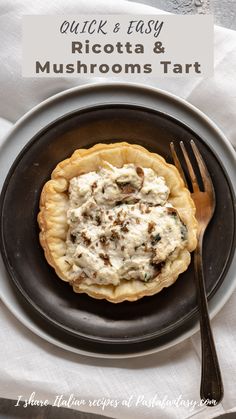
{"type": "Point", "coordinates": [29, 364]}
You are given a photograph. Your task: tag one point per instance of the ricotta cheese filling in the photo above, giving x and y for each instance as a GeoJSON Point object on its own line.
{"type": "Point", "coordinates": [121, 226]}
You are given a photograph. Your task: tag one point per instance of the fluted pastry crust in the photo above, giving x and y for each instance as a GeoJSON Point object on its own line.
{"type": "Point", "coordinates": [53, 224]}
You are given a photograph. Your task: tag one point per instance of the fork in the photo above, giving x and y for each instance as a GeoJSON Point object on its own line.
{"type": "Point", "coordinates": [211, 389]}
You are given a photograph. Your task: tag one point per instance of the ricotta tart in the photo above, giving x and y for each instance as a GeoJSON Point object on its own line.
{"type": "Point", "coordinates": [117, 222]}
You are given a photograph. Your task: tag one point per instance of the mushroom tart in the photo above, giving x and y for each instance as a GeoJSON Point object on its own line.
{"type": "Point", "coordinates": [117, 222]}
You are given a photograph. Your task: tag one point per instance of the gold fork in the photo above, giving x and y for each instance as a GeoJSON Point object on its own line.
{"type": "Point", "coordinates": [211, 389]}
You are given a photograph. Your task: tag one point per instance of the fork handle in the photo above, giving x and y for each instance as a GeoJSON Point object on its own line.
{"type": "Point", "coordinates": [211, 390]}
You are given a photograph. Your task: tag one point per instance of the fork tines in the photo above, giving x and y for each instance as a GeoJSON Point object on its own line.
{"type": "Point", "coordinates": [206, 179]}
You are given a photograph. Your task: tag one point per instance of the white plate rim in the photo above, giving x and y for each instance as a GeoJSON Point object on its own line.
{"type": "Point", "coordinates": [7, 295]}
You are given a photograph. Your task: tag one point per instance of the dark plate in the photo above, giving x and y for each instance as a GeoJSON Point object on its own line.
{"type": "Point", "coordinates": [97, 325]}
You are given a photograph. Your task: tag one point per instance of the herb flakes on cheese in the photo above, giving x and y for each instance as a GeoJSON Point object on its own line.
{"type": "Point", "coordinates": [121, 225]}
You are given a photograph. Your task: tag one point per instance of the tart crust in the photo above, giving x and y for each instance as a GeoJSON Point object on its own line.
{"type": "Point", "coordinates": [54, 203]}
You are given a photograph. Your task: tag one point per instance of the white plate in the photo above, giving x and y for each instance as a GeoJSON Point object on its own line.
{"type": "Point", "coordinates": [97, 94]}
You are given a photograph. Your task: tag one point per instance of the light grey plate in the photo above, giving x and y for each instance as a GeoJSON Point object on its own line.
{"type": "Point", "coordinates": [91, 95]}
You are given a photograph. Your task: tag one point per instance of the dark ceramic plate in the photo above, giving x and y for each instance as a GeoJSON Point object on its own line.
{"type": "Point", "coordinates": [97, 325]}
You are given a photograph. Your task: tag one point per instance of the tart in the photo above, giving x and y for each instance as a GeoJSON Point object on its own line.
{"type": "Point", "coordinates": [117, 222]}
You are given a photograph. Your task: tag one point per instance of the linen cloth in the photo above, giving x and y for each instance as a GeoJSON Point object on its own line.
{"type": "Point", "coordinates": [28, 363]}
